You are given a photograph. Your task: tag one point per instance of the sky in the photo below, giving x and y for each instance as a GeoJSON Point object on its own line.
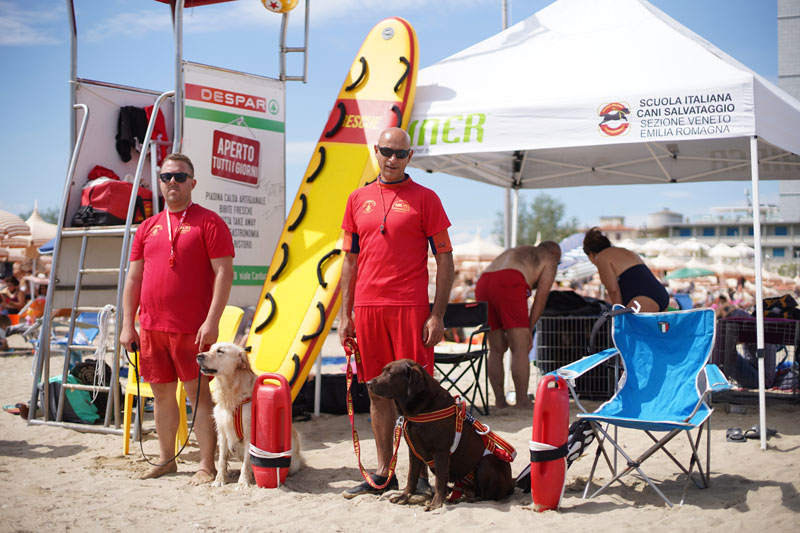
{"type": "Point", "coordinates": [129, 42]}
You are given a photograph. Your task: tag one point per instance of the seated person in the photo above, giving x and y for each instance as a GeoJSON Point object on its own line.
{"type": "Point", "coordinates": [624, 274]}
{"type": "Point", "coordinates": [12, 299]}
{"type": "Point", "coordinates": [5, 322]}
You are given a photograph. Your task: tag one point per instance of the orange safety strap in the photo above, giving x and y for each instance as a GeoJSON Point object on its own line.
{"type": "Point", "coordinates": [237, 419]}
{"type": "Point", "coordinates": [351, 349]}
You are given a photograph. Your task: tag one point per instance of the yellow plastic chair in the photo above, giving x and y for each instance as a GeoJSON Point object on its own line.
{"type": "Point", "coordinates": [229, 323]}
{"type": "Point", "coordinates": [228, 326]}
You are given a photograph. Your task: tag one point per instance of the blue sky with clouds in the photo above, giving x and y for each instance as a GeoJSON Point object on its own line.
{"type": "Point", "coordinates": [129, 42]}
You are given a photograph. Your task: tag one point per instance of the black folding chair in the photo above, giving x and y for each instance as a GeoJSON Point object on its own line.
{"type": "Point", "coordinates": [461, 371]}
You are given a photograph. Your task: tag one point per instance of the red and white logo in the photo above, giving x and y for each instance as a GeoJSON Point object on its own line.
{"type": "Point", "coordinates": [212, 95]}
{"type": "Point", "coordinates": [614, 118]}
{"type": "Point", "coordinates": [369, 206]}
{"type": "Point", "coordinates": [235, 158]}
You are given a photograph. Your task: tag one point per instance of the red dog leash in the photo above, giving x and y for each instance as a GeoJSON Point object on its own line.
{"type": "Point", "coordinates": [350, 349]}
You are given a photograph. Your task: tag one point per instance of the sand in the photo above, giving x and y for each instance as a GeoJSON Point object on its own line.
{"type": "Point", "coordinates": [57, 479]}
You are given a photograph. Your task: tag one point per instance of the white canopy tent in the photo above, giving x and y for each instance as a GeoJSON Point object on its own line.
{"type": "Point", "coordinates": [563, 100]}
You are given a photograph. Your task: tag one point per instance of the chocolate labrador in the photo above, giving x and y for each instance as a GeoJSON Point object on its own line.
{"type": "Point", "coordinates": [415, 393]}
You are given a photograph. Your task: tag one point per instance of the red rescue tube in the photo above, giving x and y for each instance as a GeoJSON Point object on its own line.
{"type": "Point", "coordinates": [271, 430]}
{"type": "Point", "coordinates": [549, 443]}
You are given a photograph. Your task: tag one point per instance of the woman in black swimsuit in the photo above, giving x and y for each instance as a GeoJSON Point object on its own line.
{"type": "Point", "coordinates": [624, 274]}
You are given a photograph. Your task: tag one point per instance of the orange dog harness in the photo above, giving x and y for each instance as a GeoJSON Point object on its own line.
{"type": "Point", "coordinates": [237, 419]}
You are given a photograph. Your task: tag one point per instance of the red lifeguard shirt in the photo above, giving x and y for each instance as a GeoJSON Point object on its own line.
{"type": "Point", "coordinates": [176, 299]}
{"type": "Point", "coordinates": [393, 265]}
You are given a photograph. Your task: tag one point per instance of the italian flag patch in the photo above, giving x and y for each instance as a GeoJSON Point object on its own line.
{"type": "Point", "coordinates": [663, 326]}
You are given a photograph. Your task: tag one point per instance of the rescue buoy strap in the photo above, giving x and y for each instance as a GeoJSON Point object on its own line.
{"type": "Point", "coordinates": [549, 455]}
{"type": "Point", "coordinates": [277, 462]}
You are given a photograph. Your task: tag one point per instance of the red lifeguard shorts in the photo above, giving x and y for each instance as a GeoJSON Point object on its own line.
{"type": "Point", "coordinates": [385, 334]}
{"type": "Point", "coordinates": [507, 293]}
{"type": "Point", "coordinates": [166, 357]}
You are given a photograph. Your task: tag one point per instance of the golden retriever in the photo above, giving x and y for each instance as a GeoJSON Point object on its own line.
{"type": "Point", "coordinates": [233, 386]}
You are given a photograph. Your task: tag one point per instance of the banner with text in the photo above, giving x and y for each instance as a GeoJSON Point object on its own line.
{"type": "Point", "coordinates": [234, 132]}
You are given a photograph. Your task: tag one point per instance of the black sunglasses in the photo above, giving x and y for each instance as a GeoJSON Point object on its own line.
{"type": "Point", "coordinates": [388, 152]}
{"type": "Point", "coordinates": [180, 177]}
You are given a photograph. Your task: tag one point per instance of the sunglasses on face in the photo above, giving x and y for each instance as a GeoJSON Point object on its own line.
{"type": "Point", "coordinates": [180, 177]}
{"type": "Point", "coordinates": [388, 152]}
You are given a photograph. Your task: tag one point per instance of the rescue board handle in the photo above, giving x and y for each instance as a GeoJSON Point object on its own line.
{"type": "Point", "coordinates": [303, 205]}
{"type": "Point", "coordinates": [399, 115]}
{"type": "Point", "coordinates": [285, 248]}
{"type": "Point", "coordinates": [296, 371]}
{"type": "Point", "coordinates": [321, 309]}
{"type": "Point", "coordinates": [342, 114]}
{"type": "Point", "coordinates": [360, 76]}
{"type": "Point", "coordinates": [405, 74]}
{"type": "Point", "coordinates": [322, 282]}
{"type": "Point", "coordinates": [271, 313]}
{"type": "Point", "coordinates": [316, 172]}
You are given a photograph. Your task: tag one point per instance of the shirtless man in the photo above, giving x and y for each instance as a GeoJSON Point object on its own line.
{"type": "Point", "coordinates": [506, 285]}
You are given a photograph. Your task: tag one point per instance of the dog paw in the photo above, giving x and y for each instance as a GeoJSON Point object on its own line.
{"type": "Point", "coordinates": [400, 499]}
{"type": "Point", "coordinates": [218, 482]}
{"type": "Point", "coordinates": [243, 483]}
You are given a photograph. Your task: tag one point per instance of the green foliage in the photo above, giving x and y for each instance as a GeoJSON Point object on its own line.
{"type": "Point", "coordinates": [544, 215]}
{"type": "Point", "coordinates": [49, 215]}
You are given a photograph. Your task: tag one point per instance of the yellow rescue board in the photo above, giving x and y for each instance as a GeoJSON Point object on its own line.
{"type": "Point", "coordinates": [301, 295]}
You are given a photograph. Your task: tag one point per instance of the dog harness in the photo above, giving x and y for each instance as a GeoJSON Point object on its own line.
{"type": "Point", "coordinates": [237, 418]}
{"type": "Point", "coordinates": [492, 443]}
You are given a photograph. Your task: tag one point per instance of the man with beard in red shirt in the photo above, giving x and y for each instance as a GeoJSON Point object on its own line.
{"type": "Point", "coordinates": [179, 279]}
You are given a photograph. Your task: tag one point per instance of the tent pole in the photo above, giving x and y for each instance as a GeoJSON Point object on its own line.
{"type": "Point", "coordinates": [762, 416]}
{"type": "Point", "coordinates": [177, 14]}
{"type": "Point", "coordinates": [514, 217]}
{"type": "Point", "coordinates": [509, 228]}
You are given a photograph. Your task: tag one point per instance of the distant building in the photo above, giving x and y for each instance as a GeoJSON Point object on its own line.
{"type": "Point", "coordinates": [780, 234]}
{"type": "Point", "coordinates": [615, 229]}
{"type": "Point", "coordinates": [662, 219]}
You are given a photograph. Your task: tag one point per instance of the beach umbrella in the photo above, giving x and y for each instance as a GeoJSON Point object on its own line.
{"type": "Point", "coordinates": [662, 262]}
{"type": "Point", "coordinates": [658, 246]}
{"type": "Point", "coordinates": [631, 245]}
{"type": "Point", "coordinates": [689, 273]}
{"type": "Point", "coordinates": [723, 269]}
{"type": "Point", "coordinates": [691, 247]}
{"type": "Point", "coordinates": [768, 275]}
{"type": "Point", "coordinates": [13, 230]}
{"type": "Point", "coordinates": [41, 231]}
{"type": "Point", "coordinates": [722, 251]}
{"type": "Point", "coordinates": [478, 249]}
{"type": "Point", "coordinates": [743, 250]}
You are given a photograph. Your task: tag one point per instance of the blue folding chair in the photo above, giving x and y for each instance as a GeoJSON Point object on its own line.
{"type": "Point", "coordinates": [663, 388]}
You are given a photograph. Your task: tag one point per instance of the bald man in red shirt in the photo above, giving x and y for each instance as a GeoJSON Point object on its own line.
{"type": "Point", "coordinates": [389, 226]}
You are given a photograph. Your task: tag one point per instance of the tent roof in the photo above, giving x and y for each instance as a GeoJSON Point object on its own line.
{"type": "Point", "coordinates": [600, 92]}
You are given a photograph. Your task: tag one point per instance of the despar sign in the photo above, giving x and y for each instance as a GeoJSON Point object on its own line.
{"type": "Point", "coordinates": [235, 157]}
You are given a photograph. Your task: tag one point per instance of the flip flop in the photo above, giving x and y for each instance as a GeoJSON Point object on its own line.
{"type": "Point", "coordinates": [13, 409]}
{"type": "Point", "coordinates": [755, 432]}
{"type": "Point", "coordinates": [734, 435]}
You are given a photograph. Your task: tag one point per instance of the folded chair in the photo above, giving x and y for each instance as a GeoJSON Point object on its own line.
{"type": "Point", "coordinates": [461, 370]}
{"type": "Point", "coordinates": [663, 389]}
